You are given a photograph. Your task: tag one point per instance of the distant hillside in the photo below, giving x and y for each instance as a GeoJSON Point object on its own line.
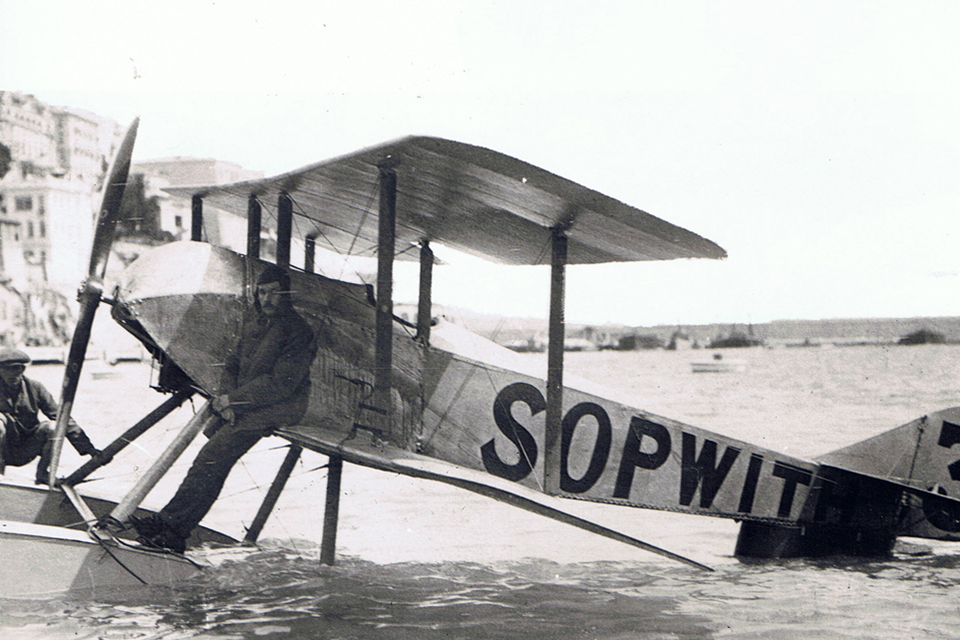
{"type": "Point", "coordinates": [833, 331]}
{"type": "Point", "coordinates": [776, 333]}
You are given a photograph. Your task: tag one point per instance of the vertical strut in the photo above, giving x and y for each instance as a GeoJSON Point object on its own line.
{"type": "Point", "coordinates": [309, 252]}
{"type": "Point", "coordinates": [253, 226]}
{"type": "Point", "coordinates": [386, 245]}
{"type": "Point", "coordinates": [273, 494]}
{"type": "Point", "coordinates": [196, 218]}
{"type": "Point", "coordinates": [425, 303]}
{"type": "Point", "coordinates": [328, 547]}
{"type": "Point", "coordinates": [551, 455]}
{"type": "Point", "coordinates": [284, 228]}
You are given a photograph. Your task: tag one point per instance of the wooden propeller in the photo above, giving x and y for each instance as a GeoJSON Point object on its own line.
{"type": "Point", "coordinates": [92, 289]}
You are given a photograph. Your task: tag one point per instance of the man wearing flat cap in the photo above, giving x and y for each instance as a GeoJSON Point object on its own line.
{"type": "Point", "coordinates": [266, 385]}
{"type": "Point", "coordinates": [23, 437]}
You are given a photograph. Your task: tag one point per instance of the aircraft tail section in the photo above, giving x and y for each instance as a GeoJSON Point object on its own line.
{"type": "Point", "coordinates": [845, 513]}
{"type": "Point", "coordinates": [923, 454]}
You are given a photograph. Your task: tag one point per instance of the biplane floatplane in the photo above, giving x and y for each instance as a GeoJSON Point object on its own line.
{"type": "Point", "coordinates": [433, 401]}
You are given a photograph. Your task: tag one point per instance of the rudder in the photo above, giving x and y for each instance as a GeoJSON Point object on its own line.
{"type": "Point", "coordinates": [924, 454]}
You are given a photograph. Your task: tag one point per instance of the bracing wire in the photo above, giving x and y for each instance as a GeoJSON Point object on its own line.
{"type": "Point", "coordinates": [277, 519]}
{"type": "Point", "coordinates": [493, 336]}
{"type": "Point", "coordinates": [467, 379]}
{"type": "Point", "coordinates": [103, 545]}
{"type": "Point", "coordinates": [363, 219]}
{"type": "Point", "coordinates": [353, 242]}
{"type": "Point", "coordinates": [343, 255]}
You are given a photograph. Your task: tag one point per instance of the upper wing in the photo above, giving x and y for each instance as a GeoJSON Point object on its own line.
{"type": "Point", "coordinates": [469, 198]}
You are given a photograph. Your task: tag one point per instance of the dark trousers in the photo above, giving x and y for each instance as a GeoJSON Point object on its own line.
{"type": "Point", "coordinates": [19, 447]}
{"type": "Point", "coordinates": [200, 489]}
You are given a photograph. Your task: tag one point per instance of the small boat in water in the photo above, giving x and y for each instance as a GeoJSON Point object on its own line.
{"type": "Point", "coordinates": [719, 364]}
{"type": "Point", "coordinates": [46, 354]}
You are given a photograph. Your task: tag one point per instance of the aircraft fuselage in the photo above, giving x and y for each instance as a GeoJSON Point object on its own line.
{"type": "Point", "coordinates": [470, 403]}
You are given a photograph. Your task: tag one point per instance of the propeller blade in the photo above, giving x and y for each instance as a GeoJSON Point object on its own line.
{"type": "Point", "coordinates": [92, 289]}
{"type": "Point", "coordinates": [110, 207]}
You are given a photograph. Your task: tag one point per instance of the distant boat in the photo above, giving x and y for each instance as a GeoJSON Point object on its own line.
{"type": "Point", "coordinates": [735, 341]}
{"type": "Point", "coordinates": [578, 344]}
{"type": "Point", "coordinates": [719, 364]}
{"type": "Point", "coordinates": [807, 342]}
{"type": "Point", "coordinates": [46, 354]}
{"type": "Point", "coordinates": [923, 336]}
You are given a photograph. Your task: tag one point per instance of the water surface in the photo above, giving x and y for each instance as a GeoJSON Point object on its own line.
{"type": "Point", "coordinates": [419, 560]}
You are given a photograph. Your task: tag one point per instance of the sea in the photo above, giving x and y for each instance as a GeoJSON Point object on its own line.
{"type": "Point", "coordinates": [422, 561]}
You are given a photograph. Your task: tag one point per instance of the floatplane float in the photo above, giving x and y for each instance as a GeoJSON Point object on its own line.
{"type": "Point", "coordinates": [431, 400]}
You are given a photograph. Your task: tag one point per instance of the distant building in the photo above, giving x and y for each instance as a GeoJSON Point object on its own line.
{"type": "Point", "coordinates": [13, 269]}
{"type": "Point", "coordinates": [220, 227]}
{"type": "Point", "coordinates": [12, 316]}
{"type": "Point", "coordinates": [59, 158]}
{"type": "Point", "coordinates": [680, 341]}
{"type": "Point", "coordinates": [58, 161]}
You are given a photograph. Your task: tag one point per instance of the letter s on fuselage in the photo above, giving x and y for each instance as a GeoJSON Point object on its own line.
{"type": "Point", "coordinates": [728, 481]}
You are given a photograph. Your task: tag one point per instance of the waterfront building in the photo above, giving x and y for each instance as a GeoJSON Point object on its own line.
{"type": "Point", "coordinates": [219, 227]}
{"type": "Point", "coordinates": [58, 158]}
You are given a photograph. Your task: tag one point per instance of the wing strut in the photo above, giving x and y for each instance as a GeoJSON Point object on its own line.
{"type": "Point", "coordinates": [254, 214]}
{"type": "Point", "coordinates": [555, 344]}
{"type": "Point", "coordinates": [425, 300]}
{"type": "Point", "coordinates": [196, 218]}
{"type": "Point", "coordinates": [386, 246]}
{"type": "Point", "coordinates": [285, 207]}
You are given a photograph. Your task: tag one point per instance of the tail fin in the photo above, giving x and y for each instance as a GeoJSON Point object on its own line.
{"type": "Point", "coordinates": [924, 454]}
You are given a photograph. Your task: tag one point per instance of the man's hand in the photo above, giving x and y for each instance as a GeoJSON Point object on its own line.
{"type": "Point", "coordinates": [221, 406]}
{"type": "Point", "coordinates": [82, 443]}
{"type": "Point", "coordinates": [221, 403]}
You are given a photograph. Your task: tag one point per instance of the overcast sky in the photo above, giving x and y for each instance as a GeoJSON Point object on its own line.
{"type": "Point", "coordinates": [817, 142]}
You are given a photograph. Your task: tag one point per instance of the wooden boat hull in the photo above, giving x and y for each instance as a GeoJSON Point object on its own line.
{"type": "Point", "coordinates": [31, 504]}
{"type": "Point", "coordinates": [73, 562]}
{"type": "Point", "coordinates": [46, 549]}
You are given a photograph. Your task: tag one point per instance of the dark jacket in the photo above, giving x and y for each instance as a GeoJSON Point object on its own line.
{"type": "Point", "coordinates": [25, 403]}
{"type": "Point", "coordinates": [271, 367]}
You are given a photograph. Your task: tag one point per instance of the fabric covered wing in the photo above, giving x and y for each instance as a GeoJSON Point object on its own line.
{"type": "Point", "coordinates": [469, 198]}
